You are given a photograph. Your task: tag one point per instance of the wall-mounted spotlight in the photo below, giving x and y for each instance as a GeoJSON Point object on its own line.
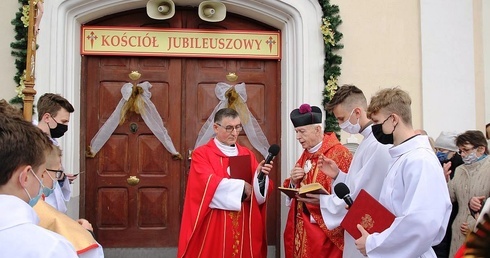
{"type": "Point", "coordinates": [160, 9]}
{"type": "Point", "coordinates": [212, 11]}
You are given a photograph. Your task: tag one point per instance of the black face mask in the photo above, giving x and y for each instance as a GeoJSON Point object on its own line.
{"type": "Point", "coordinates": [380, 136]}
{"type": "Point", "coordinates": [59, 130]}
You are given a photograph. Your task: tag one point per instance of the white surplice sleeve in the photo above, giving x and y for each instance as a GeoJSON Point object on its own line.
{"type": "Point", "coordinates": [258, 196]}
{"type": "Point", "coordinates": [228, 195]}
{"type": "Point", "coordinates": [66, 190]}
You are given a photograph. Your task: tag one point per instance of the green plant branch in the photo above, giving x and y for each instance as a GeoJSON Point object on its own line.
{"type": "Point", "coordinates": [19, 48]}
{"type": "Point", "coordinates": [331, 38]}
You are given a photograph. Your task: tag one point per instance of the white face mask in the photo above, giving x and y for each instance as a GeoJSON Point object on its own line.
{"type": "Point", "coordinates": [350, 128]}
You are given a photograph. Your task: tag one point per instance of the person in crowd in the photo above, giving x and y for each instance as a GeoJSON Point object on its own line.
{"type": "Point", "coordinates": [487, 131]}
{"type": "Point", "coordinates": [472, 179]}
{"type": "Point", "coordinates": [447, 153]}
{"type": "Point", "coordinates": [306, 234]}
{"type": "Point", "coordinates": [414, 175]}
{"type": "Point", "coordinates": [369, 165]}
{"type": "Point", "coordinates": [224, 216]}
{"type": "Point", "coordinates": [79, 233]}
{"type": "Point", "coordinates": [22, 164]}
{"type": "Point", "coordinates": [53, 118]}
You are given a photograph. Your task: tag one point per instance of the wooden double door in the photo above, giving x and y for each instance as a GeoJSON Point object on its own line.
{"type": "Point", "coordinates": [148, 213]}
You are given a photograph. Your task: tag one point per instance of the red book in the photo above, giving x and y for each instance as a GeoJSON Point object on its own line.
{"type": "Point", "coordinates": [369, 213]}
{"type": "Point", "coordinates": [240, 168]}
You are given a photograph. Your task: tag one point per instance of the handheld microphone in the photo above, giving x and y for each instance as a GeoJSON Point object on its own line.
{"type": "Point", "coordinates": [343, 192]}
{"type": "Point", "coordinates": [273, 151]}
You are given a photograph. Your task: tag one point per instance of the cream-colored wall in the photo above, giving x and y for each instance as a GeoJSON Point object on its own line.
{"type": "Point", "coordinates": [486, 57]}
{"type": "Point", "coordinates": [382, 48]}
{"type": "Point", "coordinates": [434, 49]}
{"type": "Point", "coordinates": [7, 65]}
{"type": "Point", "coordinates": [479, 64]}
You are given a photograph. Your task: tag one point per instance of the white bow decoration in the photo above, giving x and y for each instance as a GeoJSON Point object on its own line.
{"type": "Point", "coordinates": [147, 110]}
{"type": "Point", "coordinates": [250, 124]}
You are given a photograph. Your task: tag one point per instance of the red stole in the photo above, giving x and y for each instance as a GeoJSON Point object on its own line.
{"type": "Point", "coordinates": [207, 232]}
{"type": "Point", "coordinates": [301, 237]}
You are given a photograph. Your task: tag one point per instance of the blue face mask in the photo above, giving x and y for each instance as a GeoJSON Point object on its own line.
{"type": "Point", "coordinates": [442, 156]}
{"type": "Point", "coordinates": [46, 190]}
{"type": "Point", "coordinates": [33, 201]}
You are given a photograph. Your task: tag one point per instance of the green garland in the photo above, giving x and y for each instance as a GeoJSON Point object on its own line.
{"type": "Point", "coordinates": [19, 49]}
{"type": "Point", "coordinates": [331, 68]}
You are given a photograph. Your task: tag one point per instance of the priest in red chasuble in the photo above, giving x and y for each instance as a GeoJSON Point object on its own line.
{"type": "Point", "coordinates": [306, 235]}
{"type": "Point", "coordinates": [224, 216]}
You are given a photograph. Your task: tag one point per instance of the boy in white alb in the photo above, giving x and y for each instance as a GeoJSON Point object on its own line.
{"type": "Point", "coordinates": [369, 165]}
{"type": "Point", "coordinates": [414, 175]}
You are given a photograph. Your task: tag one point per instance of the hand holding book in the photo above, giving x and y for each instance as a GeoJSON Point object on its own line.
{"type": "Point", "coordinates": [368, 213]}
{"type": "Point", "coordinates": [361, 242]}
{"type": "Point", "coordinates": [313, 188]}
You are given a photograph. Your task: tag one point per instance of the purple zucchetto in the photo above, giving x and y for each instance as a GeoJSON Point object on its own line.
{"type": "Point", "coordinates": [306, 115]}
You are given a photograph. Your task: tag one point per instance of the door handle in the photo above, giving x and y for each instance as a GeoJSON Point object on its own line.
{"type": "Point", "coordinates": [132, 180]}
{"type": "Point", "coordinates": [133, 127]}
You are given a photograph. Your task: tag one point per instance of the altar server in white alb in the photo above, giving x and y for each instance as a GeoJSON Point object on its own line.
{"type": "Point", "coordinates": [21, 167]}
{"type": "Point", "coordinates": [414, 189]}
{"type": "Point", "coordinates": [54, 116]}
{"type": "Point", "coordinates": [369, 165]}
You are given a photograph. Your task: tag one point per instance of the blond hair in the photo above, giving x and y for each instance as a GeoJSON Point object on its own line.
{"type": "Point", "coordinates": [392, 100]}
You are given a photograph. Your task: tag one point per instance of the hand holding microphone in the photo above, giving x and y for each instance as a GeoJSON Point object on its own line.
{"type": "Point", "coordinates": [343, 192]}
{"type": "Point", "coordinates": [273, 151]}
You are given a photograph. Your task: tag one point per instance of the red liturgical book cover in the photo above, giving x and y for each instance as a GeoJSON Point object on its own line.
{"type": "Point", "coordinates": [240, 168]}
{"type": "Point", "coordinates": [369, 213]}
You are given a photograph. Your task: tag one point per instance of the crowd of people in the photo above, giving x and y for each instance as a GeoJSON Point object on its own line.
{"type": "Point", "coordinates": [436, 190]}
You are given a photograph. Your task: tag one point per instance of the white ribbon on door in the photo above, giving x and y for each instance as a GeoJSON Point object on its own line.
{"type": "Point", "coordinates": [235, 97]}
{"type": "Point", "coordinates": [137, 100]}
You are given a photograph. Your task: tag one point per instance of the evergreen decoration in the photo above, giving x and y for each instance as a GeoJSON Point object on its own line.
{"type": "Point", "coordinates": [19, 49]}
{"type": "Point", "coordinates": [331, 68]}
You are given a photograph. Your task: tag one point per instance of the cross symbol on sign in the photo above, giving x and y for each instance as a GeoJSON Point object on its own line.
{"type": "Point", "coordinates": [92, 37]}
{"type": "Point", "coordinates": [270, 42]}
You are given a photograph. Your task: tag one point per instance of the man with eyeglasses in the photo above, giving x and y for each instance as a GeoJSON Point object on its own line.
{"type": "Point", "coordinates": [414, 189]}
{"type": "Point", "coordinates": [470, 185]}
{"type": "Point", "coordinates": [79, 232]}
{"type": "Point", "coordinates": [53, 118]}
{"type": "Point", "coordinates": [224, 216]}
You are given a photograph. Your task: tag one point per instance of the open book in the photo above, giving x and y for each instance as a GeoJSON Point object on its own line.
{"type": "Point", "coordinates": [313, 188]}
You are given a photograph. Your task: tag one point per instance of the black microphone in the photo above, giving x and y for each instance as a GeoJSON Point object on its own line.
{"type": "Point", "coordinates": [273, 151]}
{"type": "Point", "coordinates": [343, 192]}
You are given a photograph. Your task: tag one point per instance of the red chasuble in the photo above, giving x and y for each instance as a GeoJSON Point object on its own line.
{"type": "Point", "coordinates": [207, 232]}
{"type": "Point", "coordinates": [303, 239]}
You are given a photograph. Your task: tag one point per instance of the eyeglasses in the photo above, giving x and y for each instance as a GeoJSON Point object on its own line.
{"type": "Point", "coordinates": [58, 173]}
{"type": "Point", "coordinates": [230, 128]}
{"type": "Point", "coordinates": [466, 151]}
